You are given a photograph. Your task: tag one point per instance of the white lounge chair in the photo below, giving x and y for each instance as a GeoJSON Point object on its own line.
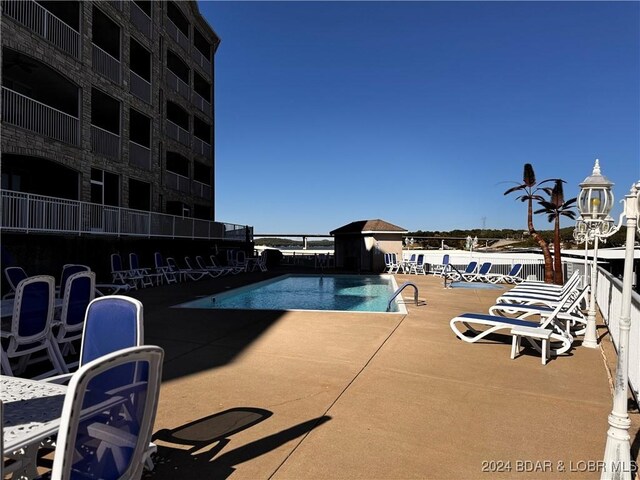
{"type": "Point", "coordinates": [419, 267]}
{"type": "Point", "coordinates": [455, 275]}
{"type": "Point", "coordinates": [570, 313]}
{"type": "Point", "coordinates": [479, 326]}
{"type": "Point", "coordinates": [513, 277]}
{"type": "Point", "coordinates": [480, 275]}
{"type": "Point", "coordinates": [540, 296]}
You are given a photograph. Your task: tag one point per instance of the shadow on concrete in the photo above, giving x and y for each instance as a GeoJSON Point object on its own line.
{"type": "Point", "coordinates": [200, 339]}
{"type": "Point", "coordinates": [213, 429]}
{"type": "Point", "coordinates": [171, 463]}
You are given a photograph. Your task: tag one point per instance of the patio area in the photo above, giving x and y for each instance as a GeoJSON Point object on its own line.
{"type": "Point", "coordinates": [260, 394]}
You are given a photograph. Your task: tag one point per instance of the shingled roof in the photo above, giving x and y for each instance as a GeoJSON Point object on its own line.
{"type": "Point", "coordinates": [368, 226]}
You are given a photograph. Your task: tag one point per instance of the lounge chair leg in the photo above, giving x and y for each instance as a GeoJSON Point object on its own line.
{"type": "Point", "coordinates": [515, 346]}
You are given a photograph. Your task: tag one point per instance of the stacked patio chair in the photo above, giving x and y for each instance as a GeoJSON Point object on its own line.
{"type": "Point", "coordinates": [30, 330]}
{"type": "Point", "coordinates": [165, 270]}
{"type": "Point", "coordinates": [78, 293]}
{"type": "Point", "coordinates": [120, 275]}
{"type": "Point", "coordinates": [232, 269]}
{"type": "Point", "coordinates": [14, 276]}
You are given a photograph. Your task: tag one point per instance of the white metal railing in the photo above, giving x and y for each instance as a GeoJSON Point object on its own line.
{"type": "Point", "coordinates": [177, 84]}
{"type": "Point", "coordinates": [140, 19]}
{"type": "Point", "coordinates": [140, 87]}
{"type": "Point", "coordinates": [201, 147]}
{"type": "Point", "coordinates": [609, 299]}
{"type": "Point", "coordinates": [201, 189]}
{"type": "Point", "coordinates": [41, 21]}
{"type": "Point", "coordinates": [201, 60]}
{"type": "Point", "coordinates": [24, 212]}
{"type": "Point", "coordinates": [25, 112]}
{"type": "Point", "coordinates": [139, 155]}
{"type": "Point", "coordinates": [200, 102]}
{"type": "Point", "coordinates": [178, 133]}
{"type": "Point", "coordinates": [532, 264]}
{"type": "Point", "coordinates": [178, 182]}
{"type": "Point", "coordinates": [105, 64]}
{"type": "Point", "coordinates": [105, 142]}
{"type": "Point", "coordinates": [176, 34]}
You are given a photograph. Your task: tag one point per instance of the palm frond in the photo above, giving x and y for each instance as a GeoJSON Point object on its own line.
{"type": "Point", "coordinates": [515, 189]}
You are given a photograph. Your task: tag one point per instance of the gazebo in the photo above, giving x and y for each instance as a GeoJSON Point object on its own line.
{"type": "Point", "coordinates": [361, 245]}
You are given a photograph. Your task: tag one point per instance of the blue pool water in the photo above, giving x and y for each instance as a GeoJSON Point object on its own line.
{"type": "Point", "coordinates": [351, 293]}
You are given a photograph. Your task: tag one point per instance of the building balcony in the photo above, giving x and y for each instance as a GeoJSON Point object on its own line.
{"type": "Point", "coordinates": [201, 190]}
{"type": "Point", "coordinates": [24, 112]}
{"type": "Point", "coordinates": [28, 213]}
{"type": "Point", "coordinates": [41, 21]}
{"type": "Point", "coordinates": [202, 104]}
{"type": "Point", "coordinates": [139, 87]}
{"type": "Point", "coordinates": [105, 64]}
{"type": "Point", "coordinates": [178, 182]}
{"type": "Point", "coordinates": [140, 19]}
{"type": "Point", "coordinates": [105, 142]}
{"type": "Point", "coordinates": [139, 155]}
{"type": "Point", "coordinates": [176, 35]}
{"type": "Point", "coordinates": [203, 62]}
{"type": "Point", "coordinates": [178, 133]}
{"type": "Point", "coordinates": [201, 147]}
{"type": "Point", "coordinates": [178, 85]}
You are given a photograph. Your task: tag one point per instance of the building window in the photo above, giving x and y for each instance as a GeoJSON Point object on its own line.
{"type": "Point", "coordinates": [105, 188]}
{"type": "Point", "coordinates": [139, 195]}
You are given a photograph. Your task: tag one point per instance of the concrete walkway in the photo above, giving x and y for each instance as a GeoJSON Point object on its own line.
{"type": "Point", "coordinates": [304, 395]}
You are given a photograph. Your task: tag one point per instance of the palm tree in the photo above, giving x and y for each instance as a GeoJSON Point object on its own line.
{"type": "Point", "coordinates": [555, 208]}
{"type": "Point", "coordinates": [529, 195]}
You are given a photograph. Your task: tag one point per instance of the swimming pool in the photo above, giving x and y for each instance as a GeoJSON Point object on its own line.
{"type": "Point", "coordinates": [350, 293]}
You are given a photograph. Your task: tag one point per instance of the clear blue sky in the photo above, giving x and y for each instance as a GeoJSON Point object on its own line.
{"type": "Point", "coordinates": [418, 112]}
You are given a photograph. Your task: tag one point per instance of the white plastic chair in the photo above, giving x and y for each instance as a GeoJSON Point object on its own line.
{"type": "Point", "coordinates": [108, 416]}
{"type": "Point", "coordinates": [31, 325]}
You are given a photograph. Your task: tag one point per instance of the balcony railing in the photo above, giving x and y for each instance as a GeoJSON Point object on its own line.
{"type": "Point", "coordinates": [201, 147]}
{"type": "Point", "coordinates": [201, 103]}
{"type": "Point", "coordinates": [201, 189]}
{"type": "Point", "coordinates": [202, 61]}
{"type": "Point", "coordinates": [178, 133]}
{"type": "Point", "coordinates": [117, 4]}
{"type": "Point", "coordinates": [174, 33]}
{"type": "Point", "coordinates": [140, 19]}
{"type": "Point", "coordinates": [139, 155]}
{"type": "Point", "coordinates": [25, 112]}
{"type": "Point", "coordinates": [24, 212]}
{"type": "Point", "coordinates": [139, 87]}
{"type": "Point", "coordinates": [105, 142]}
{"type": "Point", "coordinates": [178, 182]}
{"type": "Point", "coordinates": [41, 21]}
{"type": "Point", "coordinates": [609, 299]}
{"type": "Point", "coordinates": [178, 85]}
{"type": "Point", "coordinates": [105, 64]}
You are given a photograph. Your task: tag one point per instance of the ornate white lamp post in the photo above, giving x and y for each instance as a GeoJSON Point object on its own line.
{"type": "Point", "coordinates": [595, 202]}
{"type": "Point", "coordinates": [581, 235]}
{"type": "Point", "coordinates": [617, 454]}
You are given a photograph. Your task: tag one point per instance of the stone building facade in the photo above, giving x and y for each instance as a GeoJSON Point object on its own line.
{"type": "Point", "coordinates": [110, 102]}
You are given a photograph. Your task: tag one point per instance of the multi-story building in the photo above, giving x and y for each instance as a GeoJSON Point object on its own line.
{"type": "Point", "coordinates": [107, 131]}
{"type": "Point", "coordinates": [109, 102]}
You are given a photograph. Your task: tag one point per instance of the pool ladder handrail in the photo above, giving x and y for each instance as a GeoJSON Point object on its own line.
{"type": "Point", "coordinates": [400, 289]}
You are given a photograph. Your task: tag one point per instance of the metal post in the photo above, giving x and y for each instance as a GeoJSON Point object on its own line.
{"type": "Point", "coordinates": [591, 336]}
{"type": "Point", "coordinates": [617, 454]}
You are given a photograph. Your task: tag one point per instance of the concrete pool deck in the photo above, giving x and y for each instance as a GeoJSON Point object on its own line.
{"type": "Point", "coordinates": [292, 395]}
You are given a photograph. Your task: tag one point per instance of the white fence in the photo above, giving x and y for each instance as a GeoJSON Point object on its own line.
{"type": "Point", "coordinates": [106, 64]}
{"type": "Point", "coordinates": [24, 212]}
{"type": "Point", "coordinates": [44, 23]}
{"type": "Point", "coordinates": [25, 112]}
{"type": "Point", "coordinates": [609, 298]}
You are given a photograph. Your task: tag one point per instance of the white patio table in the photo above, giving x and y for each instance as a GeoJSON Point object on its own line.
{"type": "Point", "coordinates": [31, 411]}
